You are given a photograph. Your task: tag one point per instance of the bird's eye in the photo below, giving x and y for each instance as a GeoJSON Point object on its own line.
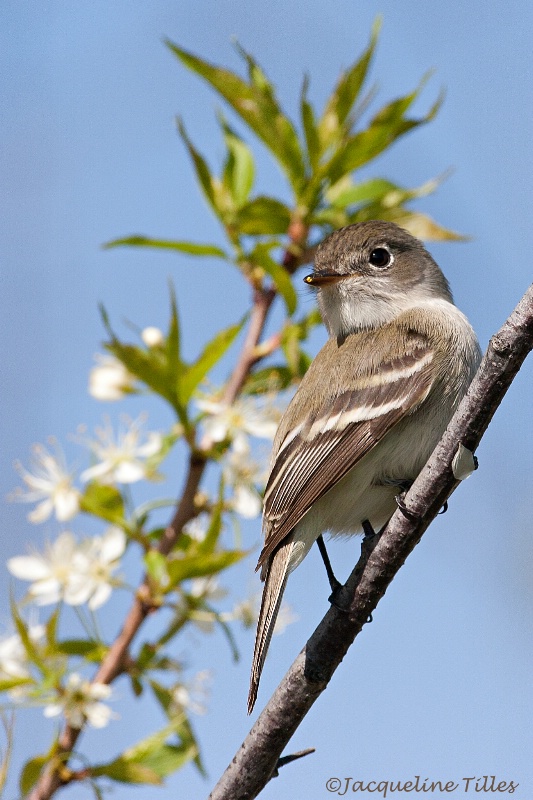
{"type": "Point", "coordinates": [379, 257]}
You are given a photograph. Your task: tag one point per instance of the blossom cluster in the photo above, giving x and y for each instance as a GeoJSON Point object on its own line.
{"type": "Point", "coordinates": [81, 571]}
{"type": "Point", "coordinates": [236, 423]}
{"type": "Point", "coordinates": [76, 572]}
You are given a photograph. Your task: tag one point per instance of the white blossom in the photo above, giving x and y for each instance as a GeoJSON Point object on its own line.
{"type": "Point", "coordinates": [14, 662]}
{"type": "Point", "coordinates": [50, 482]}
{"type": "Point", "coordinates": [80, 701]}
{"type": "Point", "coordinates": [74, 572]}
{"type": "Point", "coordinates": [196, 528]}
{"type": "Point", "coordinates": [285, 618]}
{"type": "Point", "coordinates": [247, 612]}
{"type": "Point", "coordinates": [245, 417]}
{"type": "Point", "coordinates": [207, 590]}
{"type": "Point", "coordinates": [122, 459]}
{"type": "Point", "coordinates": [59, 573]}
{"type": "Point", "coordinates": [103, 558]}
{"type": "Point", "coordinates": [243, 474]}
{"type": "Point", "coordinates": [192, 695]}
{"type": "Point", "coordinates": [109, 379]}
{"type": "Point", "coordinates": [152, 337]}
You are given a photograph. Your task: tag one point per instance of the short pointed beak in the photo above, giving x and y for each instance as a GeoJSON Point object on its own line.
{"type": "Point", "coordinates": [323, 278]}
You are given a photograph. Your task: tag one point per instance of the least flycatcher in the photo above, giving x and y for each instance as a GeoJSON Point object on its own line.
{"type": "Point", "coordinates": [372, 406]}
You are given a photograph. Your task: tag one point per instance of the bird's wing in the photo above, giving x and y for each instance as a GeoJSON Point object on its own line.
{"type": "Point", "coordinates": [314, 456]}
{"type": "Point", "coordinates": [319, 453]}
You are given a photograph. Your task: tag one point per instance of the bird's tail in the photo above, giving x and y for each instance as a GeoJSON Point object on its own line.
{"type": "Point", "coordinates": [275, 581]}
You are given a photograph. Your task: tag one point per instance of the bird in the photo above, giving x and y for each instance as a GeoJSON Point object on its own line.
{"type": "Point", "coordinates": [370, 409]}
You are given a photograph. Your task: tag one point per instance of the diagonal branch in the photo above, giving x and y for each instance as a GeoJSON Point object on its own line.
{"type": "Point", "coordinates": [255, 762]}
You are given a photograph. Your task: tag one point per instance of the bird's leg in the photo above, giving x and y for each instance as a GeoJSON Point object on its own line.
{"type": "Point", "coordinates": [368, 530]}
{"type": "Point", "coordinates": [333, 582]}
{"type": "Point", "coordinates": [404, 487]}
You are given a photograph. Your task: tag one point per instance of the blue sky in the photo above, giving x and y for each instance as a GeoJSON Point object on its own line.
{"type": "Point", "coordinates": [440, 684]}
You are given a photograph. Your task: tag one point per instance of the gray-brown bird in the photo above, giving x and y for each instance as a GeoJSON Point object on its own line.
{"type": "Point", "coordinates": [372, 406]}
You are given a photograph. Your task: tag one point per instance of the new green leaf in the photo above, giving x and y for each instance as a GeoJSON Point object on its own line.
{"type": "Point", "coordinates": [189, 248]}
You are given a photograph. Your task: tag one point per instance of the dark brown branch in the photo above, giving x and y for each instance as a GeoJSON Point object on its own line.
{"type": "Point", "coordinates": [256, 760]}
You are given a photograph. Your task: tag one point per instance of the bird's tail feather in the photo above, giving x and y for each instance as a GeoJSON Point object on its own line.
{"type": "Point", "coordinates": [275, 581]}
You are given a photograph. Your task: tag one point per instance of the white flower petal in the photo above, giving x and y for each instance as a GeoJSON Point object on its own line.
{"type": "Point", "coordinates": [28, 568]}
{"type": "Point", "coordinates": [78, 591]}
{"type": "Point", "coordinates": [152, 337]}
{"type": "Point", "coordinates": [98, 715]}
{"type": "Point", "coordinates": [100, 596]}
{"type": "Point", "coordinates": [41, 512]}
{"type": "Point", "coordinates": [113, 544]}
{"type": "Point", "coordinates": [246, 502]}
{"type": "Point", "coordinates": [45, 586]}
{"type": "Point", "coordinates": [109, 379]}
{"type": "Point", "coordinates": [241, 443]}
{"type": "Point", "coordinates": [100, 691]}
{"type": "Point", "coordinates": [97, 471]}
{"type": "Point", "coordinates": [67, 504]}
{"type": "Point", "coordinates": [217, 429]}
{"type": "Point", "coordinates": [50, 598]}
{"type": "Point", "coordinates": [129, 472]}
{"type": "Point", "coordinates": [53, 710]}
{"type": "Point", "coordinates": [152, 446]}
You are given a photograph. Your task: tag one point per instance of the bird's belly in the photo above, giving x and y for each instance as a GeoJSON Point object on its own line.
{"type": "Point", "coordinates": [342, 510]}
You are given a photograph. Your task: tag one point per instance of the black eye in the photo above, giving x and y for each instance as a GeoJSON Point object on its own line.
{"type": "Point", "coordinates": [380, 257]}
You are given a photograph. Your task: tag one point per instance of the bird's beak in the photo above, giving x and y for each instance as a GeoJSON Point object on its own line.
{"type": "Point", "coordinates": [323, 278]}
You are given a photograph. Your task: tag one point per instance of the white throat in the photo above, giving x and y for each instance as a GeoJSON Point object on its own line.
{"type": "Point", "coordinates": [346, 310]}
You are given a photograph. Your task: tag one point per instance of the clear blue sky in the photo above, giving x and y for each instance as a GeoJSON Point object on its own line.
{"type": "Point", "coordinates": [440, 684]}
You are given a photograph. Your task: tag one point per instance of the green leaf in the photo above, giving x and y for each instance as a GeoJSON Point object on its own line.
{"type": "Point", "coordinates": [203, 174]}
{"type": "Point", "coordinates": [158, 367]}
{"type": "Point", "coordinates": [211, 355]}
{"type": "Point", "coordinates": [125, 771]}
{"type": "Point", "coordinates": [80, 647]}
{"type": "Point", "coordinates": [29, 646]}
{"type": "Point", "coordinates": [310, 127]}
{"type": "Point", "coordinates": [362, 193]}
{"type": "Point", "coordinates": [263, 216]}
{"type": "Point", "coordinates": [197, 566]}
{"type": "Point", "coordinates": [280, 277]}
{"type": "Point", "coordinates": [11, 683]}
{"type": "Point", "coordinates": [172, 349]}
{"type": "Point", "coordinates": [156, 567]}
{"type": "Point", "coordinates": [384, 129]}
{"type": "Point", "coordinates": [239, 169]}
{"type": "Point", "coordinates": [150, 760]}
{"type": "Point", "coordinates": [424, 227]}
{"type": "Point", "coordinates": [147, 365]}
{"type": "Point", "coordinates": [104, 501]}
{"type": "Point", "coordinates": [297, 360]}
{"type": "Point", "coordinates": [269, 379]}
{"type": "Point", "coordinates": [51, 628]}
{"type": "Point", "coordinates": [30, 773]}
{"type": "Point", "coordinates": [255, 102]}
{"type": "Point", "coordinates": [190, 248]}
{"type": "Point", "coordinates": [162, 695]}
{"type": "Point", "coordinates": [214, 529]}
{"type": "Point", "coordinates": [346, 92]}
